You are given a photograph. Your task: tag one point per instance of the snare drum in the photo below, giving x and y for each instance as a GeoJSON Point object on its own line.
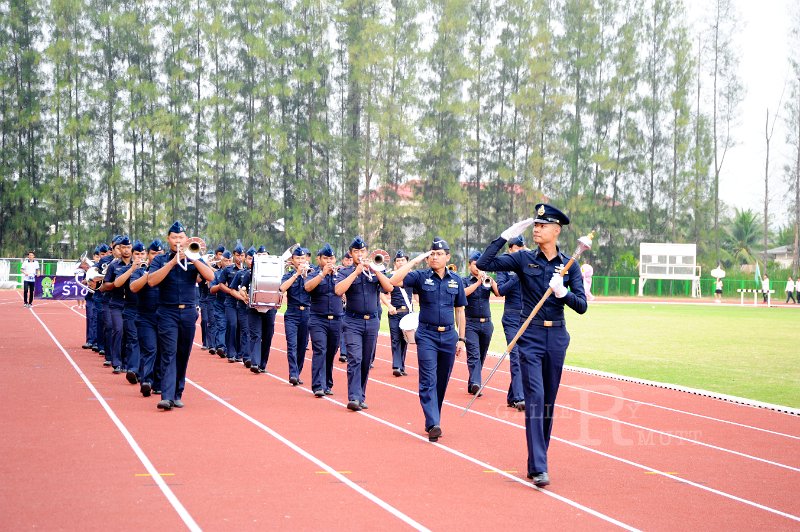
{"type": "Point", "coordinates": [409, 324]}
{"type": "Point", "coordinates": [265, 285]}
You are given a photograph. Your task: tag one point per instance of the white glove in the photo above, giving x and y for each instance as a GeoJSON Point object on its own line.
{"type": "Point", "coordinates": [557, 284]}
{"type": "Point", "coordinates": [516, 229]}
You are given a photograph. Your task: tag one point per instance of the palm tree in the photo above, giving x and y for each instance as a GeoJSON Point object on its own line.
{"type": "Point", "coordinates": [742, 236]}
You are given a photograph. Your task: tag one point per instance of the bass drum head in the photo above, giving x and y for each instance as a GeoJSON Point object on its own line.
{"type": "Point", "coordinates": [409, 324]}
{"type": "Point", "coordinates": [266, 282]}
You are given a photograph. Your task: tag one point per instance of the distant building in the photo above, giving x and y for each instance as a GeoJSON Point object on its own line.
{"type": "Point", "coordinates": [782, 255]}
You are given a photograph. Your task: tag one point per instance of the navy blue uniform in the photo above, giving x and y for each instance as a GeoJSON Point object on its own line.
{"type": "Point", "coordinates": [147, 328]}
{"type": "Point", "coordinates": [242, 321]}
{"type": "Point", "coordinates": [479, 330]}
{"type": "Point", "coordinates": [129, 317]}
{"type": "Point", "coordinates": [509, 287]}
{"type": "Point", "coordinates": [206, 319]}
{"type": "Point", "coordinates": [325, 325]}
{"type": "Point", "coordinates": [543, 345]}
{"type": "Point", "coordinates": [177, 318]}
{"type": "Point", "coordinates": [361, 324]}
{"type": "Point", "coordinates": [232, 340]}
{"type": "Point", "coordinates": [260, 327]}
{"type": "Point", "coordinates": [101, 299]}
{"type": "Point", "coordinates": [295, 323]}
{"type": "Point", "coordinates": [116, 305]}
{"type": "Point", "coordinates": [436, 335]}
{"type": "Point", "coordinates": [399, 344]}
{"type": "Point", "coordinates": [220, 325]}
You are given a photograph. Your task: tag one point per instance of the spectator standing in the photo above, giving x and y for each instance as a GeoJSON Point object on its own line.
{"type": "Point", "coordinates": [30, 269]}
{"type": "Point", "coordinates": [765, 287]}
{"type": "Point", "coordinates": [718, 291]}
{"type": "Point", "coordinates": [790, 285]}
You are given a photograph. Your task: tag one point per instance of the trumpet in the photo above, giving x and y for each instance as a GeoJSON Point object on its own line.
{"type": "Point", "coordinates": [452, 267]}
{"type": "Point", "coordinates": [486, 281]}
{"type": "Point", "coordinates": [194, 251]}
{"type": "Point", "coordinates": [378, 260]}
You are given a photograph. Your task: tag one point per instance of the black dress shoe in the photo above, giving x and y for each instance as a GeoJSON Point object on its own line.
{"type": "Point", "coordinates": [434, 433]}
{"type": "Point", "coordinates": [177, 403]}
{"type": "Point", "coordinates": [540, 480]}
{"type": "Point", "coordinates": [319, 393]}
{"type": "Point", "coordinates": [299, 381]}
{"type": "Point", "coordinates": [256, 369]}
{"type": "Point", "coordinates": [396, 372]}
{"type": "Point", "coordinates": [164, 404]}
{"type": "Point", "coordinates": [146, 388]}
{"type": "Point", "coordinates": [328, 392]}
{"type": "Point", "coordinates": [519, 405]}
{"type": "Point", "coordinates": [212, 351]}
{"type": "Point", "coordinates": [221, 353]}
{"type": "Point", "coordinates": [95, 348]}
{"type": "Point", "coordinates": [102, 352]}
{"type": "Point", "coordinates": [86, 346]}
{"type": "Point", "coordinates": [354, 406]}
{"type": "Point", "coordinates": [248, 363]}
{"type": "Point", "coordinates": [294, 381]}
{"type": "Point", "coordinates": [403, 372]}
{"type": "Point", "coordinates": [106, 363]}
{"type": "Point", "coordinates": [231, 360]}
{"type": "Point", "coordinates": [131, 376]}
{"type": "Point", "coordinates": [363, 405]}
{"type": "Point", "coordinates": [342, 358]}
{"type": "Point", "coordinates": [117, 370]}
{"type": "Point", "coordinates": [239, 359]}
{"type": "Point", "coordinates": [473, 388]}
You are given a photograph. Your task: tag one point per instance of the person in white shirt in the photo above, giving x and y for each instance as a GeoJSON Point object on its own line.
{"type": "Point", "coordinates": [790, 285]}
{"type": "Point", "coordinates": [765, 287]}
{"type": "Point", "coordinates": [30, 269]}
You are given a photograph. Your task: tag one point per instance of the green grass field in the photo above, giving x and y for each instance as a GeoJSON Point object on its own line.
{"type": "Point", "coordinates": [746, 351]}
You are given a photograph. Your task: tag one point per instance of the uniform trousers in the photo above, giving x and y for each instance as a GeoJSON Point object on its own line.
{"type": "Point", "coordinates": [478, 336]}
{"type": "Point", "coordinates": [205, 321]}
{"type": "Point", "coordinates": [91, 322]}
{"type": "Point", "coordinates": [436, 355]}
{"type": "Point", "coordinates": [511, 324]}
{"type": "Point", "coordinates": [107, 328]}
{"type": "Point", "coordinates": [399, 344]}
{"type": "Point", "coordinates": [542, 352]}
{"type": "Point", "coordinates": [295, 325]}
{"type": "Point", "coordinates": [149, 361]}
{"type": "Point", "coordinates": [361, 338]}
{"type": "Point", "coordinates": [231, 332]}
{"type": "Point", "coordinates": [114, 347]}
{"type": "Point", "coordinates": [176, 327]}
{"type": "Point", "coordinates": [261, 328]}
{"type": "Point", "coordinates": [242, 322]}
{"type": "Point", "coordinates": [324, 343]}
{"type": "Point", "coordinates": [131, 354]}
{"type": "Point", "coordinates": [220, 325]}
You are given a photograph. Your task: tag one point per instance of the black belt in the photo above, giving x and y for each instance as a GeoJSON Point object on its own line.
{"type": "Point", "coordinates": [327, 316]}
{"type": "Point", "coordinates": [362, 316]}
{"type": "Point", "coordinates": [481, 320]}
{"type": "Point", "coordinates": [549, 323]}
{"type": "Point", "coordinates": [437, 328]}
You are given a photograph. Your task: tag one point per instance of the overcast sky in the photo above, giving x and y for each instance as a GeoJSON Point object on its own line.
{"type": "Point", "coordinates": [763, 48]}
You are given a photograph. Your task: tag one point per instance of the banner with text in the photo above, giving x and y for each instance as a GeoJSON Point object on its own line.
{"type": "Point", "coordinates": [58, 287]}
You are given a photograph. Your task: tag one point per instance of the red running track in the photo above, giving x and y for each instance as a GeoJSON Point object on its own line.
{"type": "Point", "coordinates": [81, 446]}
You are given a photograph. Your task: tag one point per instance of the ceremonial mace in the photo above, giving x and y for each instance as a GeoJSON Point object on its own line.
{"type": "Point", "coordinates": [584, 243]}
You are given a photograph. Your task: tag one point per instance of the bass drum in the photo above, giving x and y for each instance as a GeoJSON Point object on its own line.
{"type": "Point", "coordinates": [265, 293]}
{"type": "Point", "coordinates": [409, 324]}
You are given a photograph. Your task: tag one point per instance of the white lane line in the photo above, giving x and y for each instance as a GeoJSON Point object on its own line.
{"type": "Point", "coordinates": [582, 447]}
{"type": "Point", "coordinates": [485, 466]}
{"type": "Point", "coordinates": [613, 457]}
{"type": "Point", "coordinates": [187, 519]}
{"type": "Point", "coordinates": [448, 449]}
{"type": "Point", "coordinates": [310, 457]}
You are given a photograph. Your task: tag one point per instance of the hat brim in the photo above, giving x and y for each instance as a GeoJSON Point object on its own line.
{"type": "Point", "coordinates": [546, 221]}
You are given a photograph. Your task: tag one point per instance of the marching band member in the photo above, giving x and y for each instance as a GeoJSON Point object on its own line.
{"type": "Point", "coordinates": [177, 313]}
{"type": "Point", "coordinates": [479, 321]}
{"type": "Point", "coordinates": [508, 286]}
{"type": "Point", "coordinates": [347, 261]}
{"type": "Point", "coordinates": [241, 308]}
{"type": "Point", "coordinates": [361, 284]}
{"type": "Point", "coordinates": [325, 323]}
{"type": "Point", "coordinates": [210, 304]}
{"type": "Point", "coordinates": [261, 325]}
{"type": "Point", "coordinates": [147, 324]}
{"type": "Point", "coordinates": [298, 310]}
{"type": "Point", "coordinates": [130, 312]}
{"type": "Point", "coordinates": [543, 345]}
{"type": "Point", "coordinates": [398, 307]}
{"type": "Point", "coordinates": [91, 316]}
{"type": "Point", "coordinates": [232, 339]}
{"type": "Point", "coordinates": [116, 300]}
{"type": "Point", "coordinates": [215, 288]}
{"type": "Point", "coordinates": [101, 302]}
{"type": "Point", "coordinates": [441, 302]}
